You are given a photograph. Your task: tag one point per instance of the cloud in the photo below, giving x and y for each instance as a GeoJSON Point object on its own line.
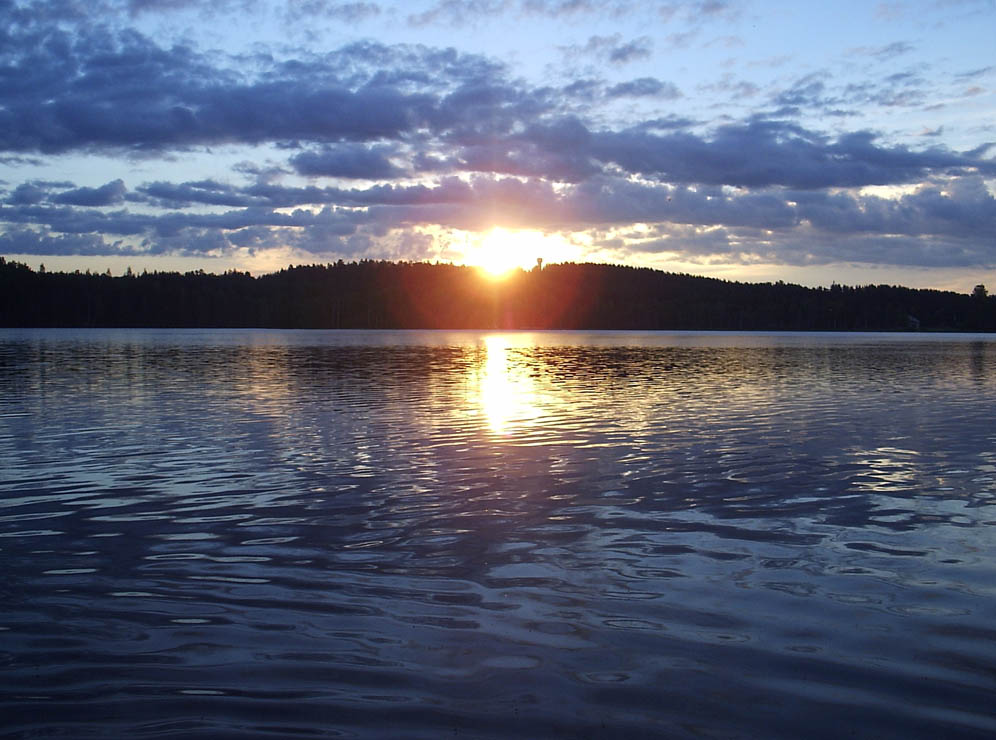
{"type": "Point", "coordinates": [100, 90]}
{"type": "Point", "coordinates": [681, 40]}
{"type": "Point", "coordinates": [980, 72]}
{"type": "Point", "coordinates": [347, 161]}
{"type": "Point", "coordinates": [347, 12]}
{"type": "Point", "coordinates": [208, 8]}
{"type": "Point", "coordinates": [761, 153]}
{"type": "Point", "coordinates": [644, 87]}
{"type": "Point", "coordinates": [632, 50]}
{"type": "Point", "coordinates": [270, 195]}
{"type": "Point", "coordinates": [736, 89]}
{"type": "Point", "coordinates": [458, 12]}
{"type": "Point", "coordinates": [611, 49]}
{"type": "Point", "coordinates": [560, 8]}
{"type": "Point", "coordinates": [937, 226]}
{"type": "Point", "coordinates": [586, 89]}
{"type": "Point", "coordinates": [891, 51]}
{"type": "Point", "coordinates": [961, 207]}
{"type": "Point", "coordinates": [698, 11]}
{"type": "Point", "coordinates": [895, 91]}
{"type": "Point", "coordinates": [15, 161]}
{"type": "Point", "coordinates": [958, 212]}
{"type": "Point", "coordinates": [136, 7]}
{"type": "Point", "coordinates": [204, 192]}
{"type": "Point", "coordinates": [31, 241]}
{"type": "Point", "coordinates": [617, 201]}
{"type": "Point", "coordinates": [42, 12]}
{"type": "Point", "coordinates": [806, 92]}
{"type": "Point", "coordinates": [467, 12]}
{"type": "Point", "coordinates": [112, 193]}
{"type": "Point", "coordinates": [358, 149]}
{"type": "Point", "coordinates": [27, 194]}
{"type": "Point", "coordinates": [462, 112]}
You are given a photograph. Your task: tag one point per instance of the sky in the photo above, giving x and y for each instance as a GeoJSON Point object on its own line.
{"type": "Point", "coordinates": [847, 142]}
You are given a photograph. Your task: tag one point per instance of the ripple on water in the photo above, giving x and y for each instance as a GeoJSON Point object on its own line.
{"type": "Point", "coordinates": [280, 534]}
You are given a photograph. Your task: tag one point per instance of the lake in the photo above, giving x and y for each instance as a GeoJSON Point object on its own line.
{"type": "Point", "coordinates": [262, 534]}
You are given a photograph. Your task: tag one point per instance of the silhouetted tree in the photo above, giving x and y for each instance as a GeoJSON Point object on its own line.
{"type": "Point", "coordinates": [374, 294]}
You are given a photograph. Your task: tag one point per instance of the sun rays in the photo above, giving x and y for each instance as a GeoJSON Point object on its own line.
{"type": "Point", "coordinates": [501, 250]}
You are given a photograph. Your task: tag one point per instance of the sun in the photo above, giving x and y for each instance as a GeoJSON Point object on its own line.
{"type": "Point", "coordinates": [501, 250]}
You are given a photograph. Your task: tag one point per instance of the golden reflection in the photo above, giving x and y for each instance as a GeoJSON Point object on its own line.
{"type": "Point", "coordinates": [507, 394]}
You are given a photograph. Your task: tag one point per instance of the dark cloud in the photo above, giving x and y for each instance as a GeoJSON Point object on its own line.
{"type": "Point", "coordinates": [671, 122]}
{"type": "Point", "coordinates": [950, 222]}
{"type": "Point", "coordinates": [488, 148]}
{"type": "Point", "coordinates": [101, 90]}
{"type": "Point", "coordinates": [347, 161]}
{"type": "Point", "coordinates": [136, 7]}
{"type": "Point", "coordinates": [526, 158]}
{"type": "Point", "coordinates": [612, 201]}
{"type": "Point", "coordinates": [110, 194]}
{"type": "Point", "coordinates": [980, 151]}
{"type": "Point", "coordinates": [205, 192]}
{"type": "Point", "coordinates": [644, 87]}
{"type": "Point", "coordinates": [761, 153]}
{"type": "Point", "coordinates": [205, 7]}
{"type": "Point", "coordinates": [961, 208]}
{"type": "Point", "coordinates": [42, 12]}
{"type": "Point", "coordinates": [27, 194]}
{"type": "Point", "coordinates": [271, 195]}
{"type": "Point", "coordinates": [30, 241]}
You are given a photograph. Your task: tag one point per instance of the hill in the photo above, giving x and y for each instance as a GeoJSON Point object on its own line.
{"type": "Point", "coordinates": [417, 295]}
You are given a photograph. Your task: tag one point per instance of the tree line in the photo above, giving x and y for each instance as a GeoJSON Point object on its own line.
{"type": "Point", "coordinates": [416, 295]}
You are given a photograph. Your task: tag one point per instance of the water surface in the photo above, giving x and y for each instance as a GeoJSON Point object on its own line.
{"type": "Point", "coordinates": [546, 535]}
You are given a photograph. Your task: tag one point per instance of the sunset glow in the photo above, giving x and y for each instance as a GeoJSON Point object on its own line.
{"type": "Point", "coordinates": [809, 142]}
{"type": "Point", "coordinates": [502, 250]}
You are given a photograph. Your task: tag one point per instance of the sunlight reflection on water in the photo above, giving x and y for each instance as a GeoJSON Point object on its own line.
{"type": "Point", "coordinates": [211, 534]}
{"type": "Point", "coordinates": [507, 395]}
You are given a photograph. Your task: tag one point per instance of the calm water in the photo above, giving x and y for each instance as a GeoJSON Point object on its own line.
{"type": "Point", "coordinates": [554, 535]}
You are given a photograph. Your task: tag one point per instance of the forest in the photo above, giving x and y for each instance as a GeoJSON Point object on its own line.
{"type": "Point", "coordinates": [416, 295]}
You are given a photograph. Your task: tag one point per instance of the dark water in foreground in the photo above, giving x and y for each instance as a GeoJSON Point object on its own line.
{"type": "Point", "coordinates": [425, 535]}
